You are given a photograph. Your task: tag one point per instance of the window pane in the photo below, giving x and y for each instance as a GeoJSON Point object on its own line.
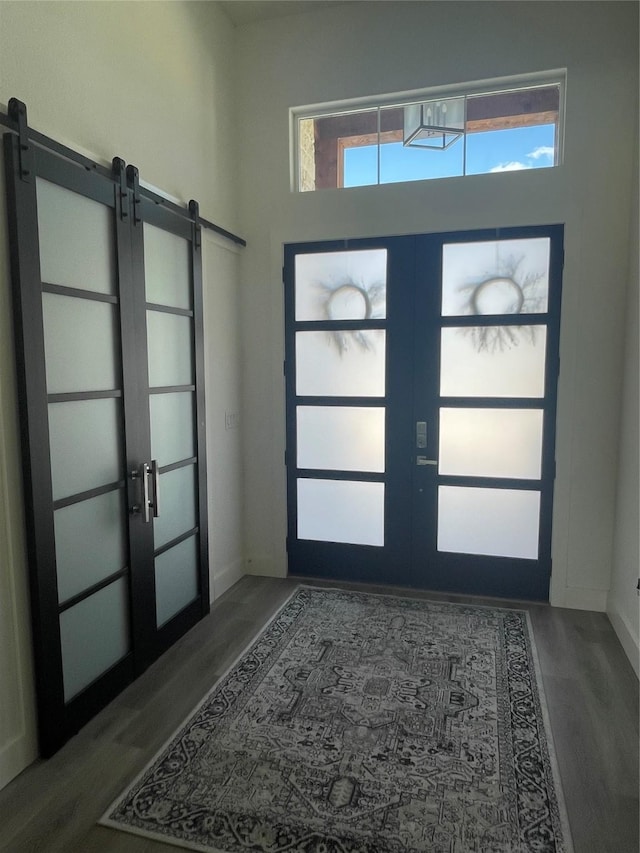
{"type": "Point", "coordinates": [76, 239]}
{"type": "Point", "coordinates": [84, 437]}
{"type": "Point", "coordinates": [491, 442]}
{"type": "Point", "coordinates": [493, 361]}
{"type": "Point", "coordinates": [94, 635]}
{"type": "Point", "coordinates": [167, 268]}
{"type": "Point", "coordinates": [360, 166]}
{"type": "Point", "coordinates": [339, 364]}
{"type": "Point", "coordinates": [176, 579]}
{"type": "Point", "coordinates": [341, 511]}
{"type": "Point", "coordinates": [79, 338]}
{"type": "Point", "coordinates": [510, 107]}
{"type": "Point", "coordinates": [341, 439]}
{"type": "Point", "coordinates": [90, 542]}
{"type": "Point", "coordinates": [511, 150]}
{"type": "Point", "coordinates": [495, 277]}
{"type": "Point", "coordinates": [341, 285]}
{"type": "Point", "coordinates": [512, 130]}
{"type": "Point", "coordinates": [493, 522]}
{"type": "Point", "coordinates": [344, 148]}
{"type": "Point", "coordinates": [355, 138]}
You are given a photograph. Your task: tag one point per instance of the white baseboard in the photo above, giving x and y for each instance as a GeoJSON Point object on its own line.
{"type": "Point", "coordinates": [628, 641]}
{"type": "Point", "coordinates": [266, 567]}
{"type": "Point", "coordinates": [15, 756]}
{"type": "Point", "coordinates": [579, 598]}
{"type": "Point", "coordinates": [224, 579]}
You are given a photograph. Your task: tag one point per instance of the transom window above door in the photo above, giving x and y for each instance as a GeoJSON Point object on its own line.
{"type": "Point", "coordinates": [512, 125]}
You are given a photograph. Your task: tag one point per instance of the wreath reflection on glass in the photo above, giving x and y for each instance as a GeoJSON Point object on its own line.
{"type": "Point", "coordinates": [503, 292]}
{"type": "Point", "coordinates": [350, 300]}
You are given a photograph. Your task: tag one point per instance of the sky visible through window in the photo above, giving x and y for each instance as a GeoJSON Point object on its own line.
{"type": "Point", "coordinates": [490, 151]}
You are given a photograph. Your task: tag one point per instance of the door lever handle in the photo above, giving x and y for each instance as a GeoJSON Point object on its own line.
{"type": "Point", "coordinates": [422, 460]}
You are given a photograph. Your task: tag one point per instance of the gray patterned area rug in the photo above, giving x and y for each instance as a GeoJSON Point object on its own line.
{"type": "Point", "coordinates": [358, 723]}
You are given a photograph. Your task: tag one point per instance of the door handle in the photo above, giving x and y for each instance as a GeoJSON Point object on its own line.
{"type": "Point", "coordinates": [422, 460]}
{"type": "Point", "coordinates": [145, 472]}
{"type": "Point", "coordinates": [145, 491]}
{"type": "Point", "coordinates": [155, 474]}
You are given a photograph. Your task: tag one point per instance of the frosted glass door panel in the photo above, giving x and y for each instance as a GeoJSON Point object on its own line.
{"type": "Point", "coordinates": [84, 438]}
{"type": "Point", "coordinates": [341, 285]}
{"type": "Point", "coordinates": [341, 364]}
{"type": "Point", "coordinates": [167, 268]}
{"type": "Point", "coordinates": [170, 348]}
{"type": "Point", "coordinates": [79, 340]}
{"type": "Point", "coordinates": [341, 438]}
{"type": "Point", "coordinates": [493, 361]}
{"type": "Point", "coordinates": [341, 511]}
{"type": "Point", "coordinates": [177, 505]}
{"type": "Point", "coordinates": [94, 636]}
{"type": "Point", "coordinates": [76, 239]}
{"type": "Point", "coordinates": [493, 522]}
{"type": "Point", "coordinates": [496, 277]}
{"type": "Point", "coordinates": [172, 427]}
{"type": "Point", "coordinates": [176, 579]}
{"type": "Point", "coordinates": [491, 442]}
{"type": "Point", "coordinates": [90, 542]}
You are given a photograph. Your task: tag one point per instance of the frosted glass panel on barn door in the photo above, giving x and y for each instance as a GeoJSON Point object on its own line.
{"type": "Point", "coordinates": [80, 309]}
{"type": "Point", "coordinates": [170, 341]}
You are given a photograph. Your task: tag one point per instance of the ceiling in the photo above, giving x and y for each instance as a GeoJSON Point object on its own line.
{"type": "Point", "coordinates": [247, 11]}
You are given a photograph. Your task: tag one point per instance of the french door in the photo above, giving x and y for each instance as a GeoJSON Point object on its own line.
{"type": "Point", "coordinates": [421, 377]}
{"type": "Point", "coordinates": [107, 298]}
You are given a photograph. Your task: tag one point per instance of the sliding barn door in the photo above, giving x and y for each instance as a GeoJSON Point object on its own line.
{"type": "Point", "coordinates": [170, 364]}
{"type": "Point", "coordinates": [109, 342]}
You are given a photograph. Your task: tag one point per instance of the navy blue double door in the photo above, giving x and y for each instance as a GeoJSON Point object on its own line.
{"type": "Point", "coordinates": [421, 376]}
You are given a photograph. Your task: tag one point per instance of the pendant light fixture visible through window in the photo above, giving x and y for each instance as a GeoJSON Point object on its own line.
{"type": "Point", "coordinates": [434, 124]}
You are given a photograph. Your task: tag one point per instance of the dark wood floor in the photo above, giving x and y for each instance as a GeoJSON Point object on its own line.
{"type": "Point", "coordinates": [591, 690]}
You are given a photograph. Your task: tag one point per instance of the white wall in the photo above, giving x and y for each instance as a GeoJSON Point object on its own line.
{"type": "Point", "coordinates": [223, 369]}
{"type": "Point", "coordinates": [369, 48]}
{"type": "Point", "coordinates": [152, 83]}
{"type": "Point", "coordinates": [623, 605]}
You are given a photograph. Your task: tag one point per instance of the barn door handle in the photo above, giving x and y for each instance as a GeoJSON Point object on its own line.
{"type": "Point", "coordinates": [155, 475]}
{"type": "Point", "coordinates": [148, 471]}
{"type": "Point", "coordinates": [141, 473]}
{"type": "Point", "coordinates": [145, 491]}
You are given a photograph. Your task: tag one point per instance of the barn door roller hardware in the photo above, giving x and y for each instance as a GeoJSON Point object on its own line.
{"type": "Point", "coordinates": [18, 114]}
{"type": "Point", "coordinates": [133, 179]}
{"type": "Point", "coordinates": [194, 209]}
{"type": "Point", "coordinates": [16, 121]}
